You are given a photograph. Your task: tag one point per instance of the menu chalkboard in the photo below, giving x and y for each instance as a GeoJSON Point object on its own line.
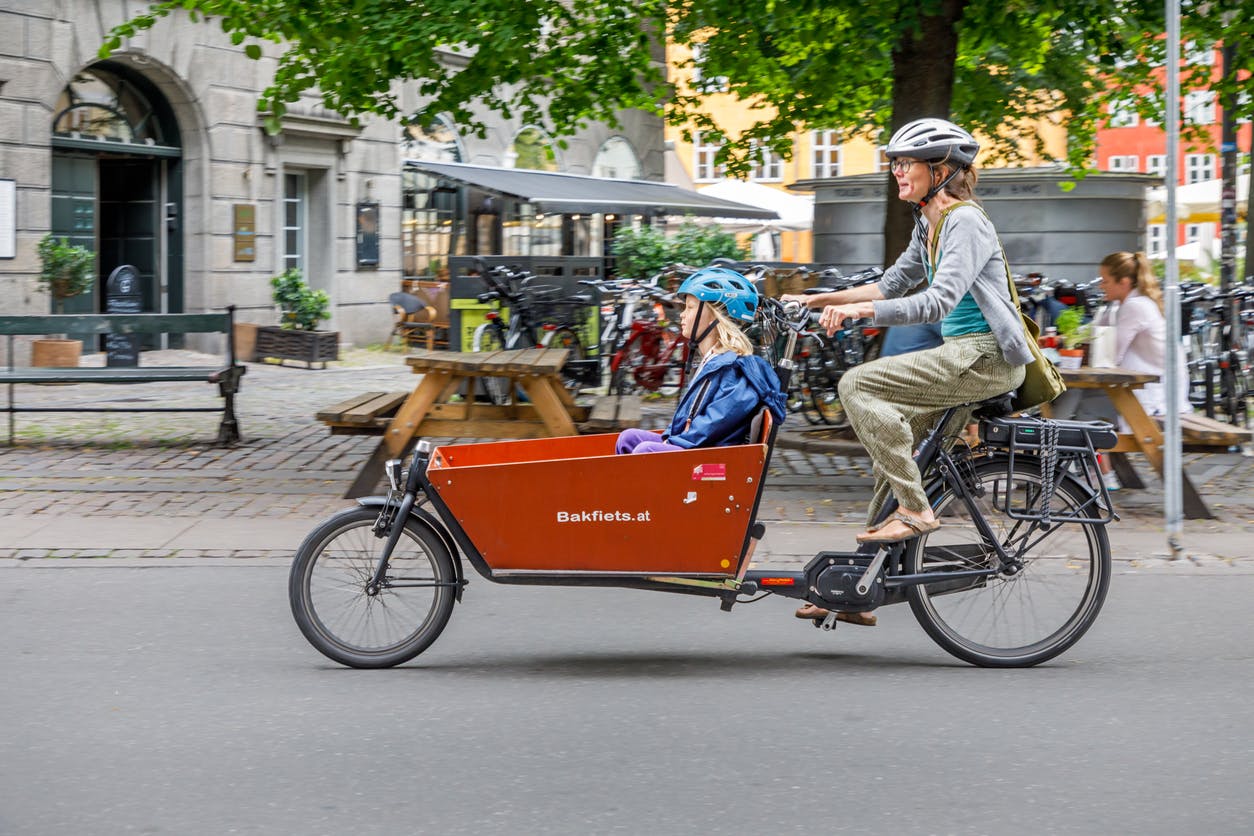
{"type": "Point", "coordinates": [122, 296]}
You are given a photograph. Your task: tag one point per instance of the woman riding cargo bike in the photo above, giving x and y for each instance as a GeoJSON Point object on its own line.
{"type": "Point", "coordinates": [1002, 553]}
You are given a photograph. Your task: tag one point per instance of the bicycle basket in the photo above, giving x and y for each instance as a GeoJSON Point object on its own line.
{"type": "Point", "coordinates": [1060, 450]}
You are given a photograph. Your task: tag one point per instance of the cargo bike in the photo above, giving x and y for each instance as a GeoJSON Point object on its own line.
{"type": "Point", "coordinates": [1015, 575]}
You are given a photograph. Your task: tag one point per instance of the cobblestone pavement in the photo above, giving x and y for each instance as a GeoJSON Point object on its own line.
{"type": "Point", "coordinates": [289, 466]}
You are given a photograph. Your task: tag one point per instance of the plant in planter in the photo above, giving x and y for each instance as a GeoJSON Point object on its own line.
{"type": "Point", "coordinates": [1075, 333]}
{"type": "Point", "coordinates": [301, 309]}
{"type": "Point", "coordinates": [66, 271]}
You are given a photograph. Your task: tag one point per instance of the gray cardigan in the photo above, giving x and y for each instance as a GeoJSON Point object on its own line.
{"type": "Point", "coordinates": [971, 260]}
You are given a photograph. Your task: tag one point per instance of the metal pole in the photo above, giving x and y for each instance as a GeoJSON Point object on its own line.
{"type": "Point", "coordinates": [1228, 193]}
{"type": "Point", "coordinates": [1172, 463]}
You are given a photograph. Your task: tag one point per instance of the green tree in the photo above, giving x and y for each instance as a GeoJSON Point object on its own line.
{"type": "Point", "coordinates": [864, 67]}
{"type": "Point", "coordinates": [643, 252]}
{"type": "Point", "coordinates": [555, 63]}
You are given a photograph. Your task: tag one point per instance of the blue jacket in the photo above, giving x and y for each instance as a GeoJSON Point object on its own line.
{"type": "Point", "coordinates": [722, 401]}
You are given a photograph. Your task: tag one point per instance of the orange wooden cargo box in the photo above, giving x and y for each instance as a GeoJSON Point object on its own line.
{"type": "Point", "coordinates": [571, 506]}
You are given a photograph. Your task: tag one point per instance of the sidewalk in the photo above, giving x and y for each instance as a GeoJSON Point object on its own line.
{"type": "Point", "coordinates": [149, 488]}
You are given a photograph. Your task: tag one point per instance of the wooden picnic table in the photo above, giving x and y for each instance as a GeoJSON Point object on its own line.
{"type": "Point", "coordinates": [1146, 437]}
{"type": "Point", "coordinates": [443, 404]}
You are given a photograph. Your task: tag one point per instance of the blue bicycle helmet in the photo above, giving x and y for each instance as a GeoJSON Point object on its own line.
{"type": "Point", "coordinates": [725, 287]}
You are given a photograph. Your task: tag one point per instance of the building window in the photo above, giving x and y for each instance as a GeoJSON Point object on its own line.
{"type": "Point", "coordinates": [700, 81]}
{"type": "Point", "coordinates": [1199, 107]}
{"type": "Point", "coordinates": [703, 156]}
{"type": "Point", "coordinates": [617, 160]}
{"type": "Point", "coordinates": [1196, 53]}
{"type": "Point", "coordinates": [295, 210]}
{"type": "Point", "coordinates": [1199, 167]}
{"type": "Point", "coordinates": [769, 165]}
{"type": "Point", "coordinates": [1129, 162]}
{"type": "Point", "coordinates": [98, 104]}
{"type": "Point", "coordinates": [1156, 164]}
{"type": "Point", "coordinates": [826, 155]}
{"type": "Point", "coordinates": [1156, 240]}
{"type": "Point", "coordinates": [534, 150]}
{"type": "Point", "coordinates": [437, 143]}
{"type": "Point", "coordinates": [1192, 232]}
{"type": "Point", "coordinates": [882, 158]}
{"type": "Point", "coordinates": [432, 223]}
{"type": "Point", "coordinates": [1123, 116]}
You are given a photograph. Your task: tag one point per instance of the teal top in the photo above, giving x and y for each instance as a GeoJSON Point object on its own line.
{"type": "Point", "coordinates": [965, 318]}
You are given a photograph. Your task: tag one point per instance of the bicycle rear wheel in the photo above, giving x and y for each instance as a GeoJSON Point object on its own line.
{"type": "Point", "coordinates": [497, 388]}
{"type": "Point", "coordinates": [334, 611]}
{"type": "Point", "coordinates": [1001, 620]}
{"type": "Point", "coordinates": [568, 338]}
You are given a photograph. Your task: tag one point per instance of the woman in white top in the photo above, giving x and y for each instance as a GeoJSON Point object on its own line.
{"type": "Point", "coordinates": [1135, 308]}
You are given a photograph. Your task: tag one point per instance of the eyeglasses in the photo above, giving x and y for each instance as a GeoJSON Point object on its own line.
{"type": "Point", "coordinates": [901, 165]}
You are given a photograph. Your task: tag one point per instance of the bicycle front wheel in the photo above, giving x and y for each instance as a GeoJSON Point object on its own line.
{"type": "Point", "coordinates": [1009, 620]}
{"type": "Point", "coordinates": [335, 611]}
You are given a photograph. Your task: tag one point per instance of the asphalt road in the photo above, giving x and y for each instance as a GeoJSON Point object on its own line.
{"type": "Point", "coordinates": [184, 701]}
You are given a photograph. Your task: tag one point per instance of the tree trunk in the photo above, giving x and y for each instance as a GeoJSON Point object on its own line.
{"type": "Point", "coordinates": [923, 86]}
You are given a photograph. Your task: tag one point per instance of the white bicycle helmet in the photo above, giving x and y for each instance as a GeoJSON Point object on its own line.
{"type": "Point", "coordinates": [933, 140]}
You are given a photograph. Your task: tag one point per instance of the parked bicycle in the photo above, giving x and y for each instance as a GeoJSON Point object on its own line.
{"type": "Point", "coordinates": [650, 355]}
{"type": "Point", "coordinates": [1218, 350]}
{"type": "Point", "coordinates": [1017, 573]}
{"type": "Point", "coordinates": [540, 315]}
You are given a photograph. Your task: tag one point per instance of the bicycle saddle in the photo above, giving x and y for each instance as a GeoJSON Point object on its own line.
{"type": "Point", "coordinates": [997, 407]}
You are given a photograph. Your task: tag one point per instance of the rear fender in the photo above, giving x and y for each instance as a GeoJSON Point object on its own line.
{"type": "Point", "coordinates": [432, 524]}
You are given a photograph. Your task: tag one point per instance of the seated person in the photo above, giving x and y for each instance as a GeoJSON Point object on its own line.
{"type": "Point", "coordinates": [1135, 309]}
{"type": "Point", "coordinates": [731, 383]}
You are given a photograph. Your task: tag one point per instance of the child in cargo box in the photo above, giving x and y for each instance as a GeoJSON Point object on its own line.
{"type": "Point", "coordinates": [731, 384]}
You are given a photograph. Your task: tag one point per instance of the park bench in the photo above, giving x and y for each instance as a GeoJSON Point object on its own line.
{"type": "Point", "coordinates": [226, 375]}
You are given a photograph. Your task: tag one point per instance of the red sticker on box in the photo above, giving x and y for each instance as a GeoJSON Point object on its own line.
{"type": "Point", "coordinates": [709, 473]}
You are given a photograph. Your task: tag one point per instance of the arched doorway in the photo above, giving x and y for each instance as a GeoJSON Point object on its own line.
{"type": "Point", "coordinates": [117, 185]}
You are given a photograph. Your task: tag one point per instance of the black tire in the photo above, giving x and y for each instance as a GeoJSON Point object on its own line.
{"type": "Point", "coordinates": [1001, 621]}
{"type": "Point", "coordinates": [623, 379]}
{"type": "Point", "coordinates": [327, 589]}
{"type": "Point", "coordinates": [496, 388]}
{"type": "Point", "coordinates": [568, 338]}
{"type": "Point", "coordinates": [1235, 395]}
{"type": "Point", "coordinates": [825, 369]}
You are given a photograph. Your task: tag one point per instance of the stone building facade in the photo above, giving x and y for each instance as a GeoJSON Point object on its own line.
{"type": "Point", "coordinates": [157, 158]}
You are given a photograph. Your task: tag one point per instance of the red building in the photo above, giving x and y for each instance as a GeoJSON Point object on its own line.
{"type": "Point", "coordinates": [1130, 143]}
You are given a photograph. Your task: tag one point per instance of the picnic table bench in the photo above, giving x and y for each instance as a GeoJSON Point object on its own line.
{"type": "Point", "coordinates": [1146, 436]}
{"type": "Point", "coordinates": [226, 375]}
{"type": "Point", "coordinates": [443, 405]}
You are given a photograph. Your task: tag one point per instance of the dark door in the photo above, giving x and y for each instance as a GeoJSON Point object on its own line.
{"type": "Point", "coordinates": [129, 203]}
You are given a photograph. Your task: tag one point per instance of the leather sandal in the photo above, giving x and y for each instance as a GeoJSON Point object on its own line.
{"type": "Point", "coordinates": [816, 614]}
{"type": "Point", "coordinates": [914, 528]}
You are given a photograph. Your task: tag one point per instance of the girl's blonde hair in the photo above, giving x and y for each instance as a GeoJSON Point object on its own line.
{"type": "Point", "coordinates": [727, 333]}
{"type": "Point", "coordinates": [1135, 266]}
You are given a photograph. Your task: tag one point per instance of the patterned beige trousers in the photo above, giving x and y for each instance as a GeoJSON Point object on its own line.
{"type": "Point", "coordinates": [894, 401]}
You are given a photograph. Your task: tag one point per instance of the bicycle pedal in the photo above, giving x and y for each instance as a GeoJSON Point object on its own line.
{"type": "Point", "coordinates": [829, 623]}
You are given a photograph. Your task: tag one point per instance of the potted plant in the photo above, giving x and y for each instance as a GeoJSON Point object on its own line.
{"type": "Point", "coordinates": [301, 309]}
{"type": "Point", "coordinates": [1074, 332]}
{"type": "Point", "coordinates": [66, 271]}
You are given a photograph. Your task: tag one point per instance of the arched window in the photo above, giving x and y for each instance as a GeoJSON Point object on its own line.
{"type": "Point", "coordinates": [437, 143]}
{"type": "Point", "coordinates": [617, 160]}
{"type": "Point", "coordinates": [532, 149]}
{"type": "Point", "coordinates": [98, 104]}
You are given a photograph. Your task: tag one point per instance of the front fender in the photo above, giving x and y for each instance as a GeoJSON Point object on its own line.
{"type": "Point", "coordinates": [432, 524]}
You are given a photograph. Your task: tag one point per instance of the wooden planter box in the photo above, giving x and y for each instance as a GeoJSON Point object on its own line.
{"type": "Point", "coordinates": [308, 347]}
